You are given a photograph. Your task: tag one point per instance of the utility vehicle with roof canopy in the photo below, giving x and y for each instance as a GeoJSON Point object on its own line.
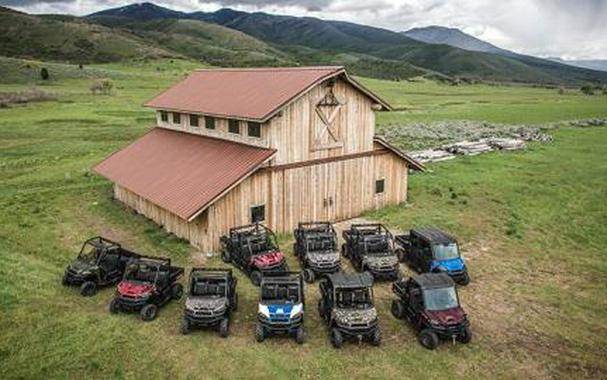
{"type": "Point", "coordinates": [370, 247]}
{"type": "Point", "coordinates": [429, 249]}
{"type": "Point", "coordinates": [101, 262]}
{"type": "Point", "coordinates": [346, 305]}
{"type": "Point", "coordinates": [148, 283]}
{"type": "Point", "coordinates": [431, 305]}
{"type": "Point", "coordinates": [316, 247]}
{"type": "Point", "coordinates": [211, 300]}
{"type": "Point", "coordinates": [253, 249]}
{"type": "Point", "coordinates": [281, 306]}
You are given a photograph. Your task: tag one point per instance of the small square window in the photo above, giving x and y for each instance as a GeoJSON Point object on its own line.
{"type": "Point", "coordinates": [254, 129]}
{"type": "Point", "coordinates": [193, 120]}
{"type": "Point", "coordinates": [176, 118]}
{"type": "Point", "coordinates": [258, 214]}
{"type": "Point", "coordinates": [209, 122]}
{"type": "Point", "coordinates": [164, 116]}
{"type": "Point", "coordinates": [379, 186]}
{"type": "Point", "coordinates": [233, 126]}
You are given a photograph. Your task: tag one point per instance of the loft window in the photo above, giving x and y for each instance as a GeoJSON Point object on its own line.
{"type": "Point", "coordinates": [254, 129]}
{"type": "Point", "coordinates": [193, 120]}
{"type": "Point", "coordinates": [233, 126]}
{"type": "Point", "coordinates": [164, 116]}
{"type": "Point", "coordinates": [379, 186]}
{"type": "Point", "coordinates": [258, 213]}
{"type": "Point", "coordinates": [209, 122]}
{"type": "Point", "coordinates": [176, 118]}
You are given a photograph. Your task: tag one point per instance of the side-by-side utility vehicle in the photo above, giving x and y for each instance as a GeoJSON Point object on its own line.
{"type": "Point", "coordinates": [148, 283]}
{"type": "Point", "coordinates": [101, 262]}
{"type": "Point", "coordinates": [211, 300]}
{"type": "Point", "coordinates": [254, 250]}
{"type": "Point", "coordinates": [316, 247]}
{"type": "Point", "coordinates": [281, 307]}
{"type": "Point", "coordinates": [431, 305]}
{"type": "Point", "coordinates": [429, 249]}
{"type": "Point", "coordinates": [346, 305]}
{"type": "Point", "coordinates": [370, 247]}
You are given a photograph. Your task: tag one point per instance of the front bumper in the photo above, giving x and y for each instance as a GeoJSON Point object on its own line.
{"type": "Point", "coordinates": [71, 277]}
{"type": "Point", "coordinates": [458, 275]}
{"type": "Point", "coordinates": [358, 330]}
{"type": "Point", "coordinates": [280, 323]}
{"type": "Point", "coordinates": [131, 303]}
{"type": "Point", "coordinates": [275, 268]}
{"type": "Point", "coordinates": [449, 332]}
{"type": "Point", "coordinates": [385, 273]}
{"type": "Point", "coordinates": [204, 317]}
{"type": "Point", "coordinates": [324, 267]}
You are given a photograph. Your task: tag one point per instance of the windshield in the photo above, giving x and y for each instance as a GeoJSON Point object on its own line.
{"type": "Point", "coordinates": [358, 298]}
{"type": "Point", "coordinates": [445, 251]}
{"type": "Point", "coordinates": [440, 299]}
{"type": "Point", "coordinates": [211, 288]}
{"type": "Point", "coordinates": [88, 253]}
{"type": "Point", "coordinates": [141, 273]}
{"type": "Point", "coordinates": [288, 293]}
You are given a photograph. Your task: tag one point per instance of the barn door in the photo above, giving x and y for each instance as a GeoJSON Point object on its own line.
{"type": "Point", "coordinates": [329, 193]}
{"type": "Point", "coordinates": [326, 131]}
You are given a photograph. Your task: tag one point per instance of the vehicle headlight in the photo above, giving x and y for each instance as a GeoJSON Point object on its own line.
{"type": "Point", "coordinates": [263, 310]}
{"type": "Point", "coordinates": [85, 273]}
{"type": "Point", "coordinates": [296, 310]}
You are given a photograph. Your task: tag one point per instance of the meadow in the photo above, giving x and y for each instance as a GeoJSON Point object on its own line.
{"type": "Point", "coordinates": [533, 225]}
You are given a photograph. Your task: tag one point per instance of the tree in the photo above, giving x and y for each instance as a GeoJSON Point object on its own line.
{"type": "Point", "coordinates": [44, 73]}
{"type": "Point", "coordinates": [588, 90]}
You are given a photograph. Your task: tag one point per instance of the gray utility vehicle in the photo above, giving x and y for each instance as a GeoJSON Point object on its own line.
{"type": "Point", "coordinates": [316, 247]}
{"type": "Point", "coordinates": [211, 300]}
{"type": "Point", "coordinates": [101, 262]}
{"type": "Point", "coordinates": [370, 247]}
{"type": "Point", "coordinates": [346, 305]}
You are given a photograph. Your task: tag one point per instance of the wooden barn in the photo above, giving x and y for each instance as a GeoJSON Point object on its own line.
{"type": "Point", "coordinates": [274, 145]}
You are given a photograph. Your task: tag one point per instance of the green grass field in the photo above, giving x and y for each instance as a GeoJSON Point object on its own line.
{"type": "Point", "coordinates": [533, 226]}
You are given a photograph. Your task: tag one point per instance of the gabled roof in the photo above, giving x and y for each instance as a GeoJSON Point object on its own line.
{"type": "Point", "coordinates": [414, 163]}
{"type": "Point", "coordinates": [254, 94]}
{"type": "Point", "coordinates": [181, 172]}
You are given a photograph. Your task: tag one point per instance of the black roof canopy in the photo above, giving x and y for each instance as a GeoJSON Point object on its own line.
{"type": "Point", "coordinates": [351, 280]}
{"type": "Point", "coordinates": [434, 280]}
{"type": "Point", "coordinates": [210, 273]}
{"type": "Point", "coordinates": [433, 235]}
{"type": "Point", "coordinates": [281, 278]}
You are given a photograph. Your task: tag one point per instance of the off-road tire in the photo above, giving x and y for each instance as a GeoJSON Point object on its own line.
{"type": "Point", "coordinates": [466, 337]}
{"type": "Point", "coordinates": [148, 312]}
{"type": "Point", "coordinates": [337, 339]}
{"type": "Point", "coordinates": [64, 281]}
{"type": "Point", "coordinates": [344, 251]}
{"type": "Point", "coordinates": [256, 277]}
{"type": "Point", "coordinates": [224, 327]}
{"type": "Point", "coordinates": [321, 309]}
{"type": "Point", "coordinates": [260, 333]}
{"type": "Point", "coordinates": [398, 275]}
{"type": "Point", "coordinates": [225, 256]}
{"type": "Point", "coordinates": [428, 339]}
{"type": "Point", "coordinates": [300, 335]}
{"type": "Point", "coordinates": [235, 302]}
{"type": "Point", "coordinates": [114, 306]}
{"type": "Point", "coordinates": [176, 291]}
{"type": "Point", "coordinates": [398, 309]}
{"type": "Point", "coordinates": [295, 249]}
{"type": "Point", "coordinates": [88, 289]}
{"type": "Point", "coordinates": [185, 326]}
{"type": "Point", "coordinates": [308, 275]}
{"type": "Point", "coordinates": [376, 337]}
{"type": "Point", "coordinates": [401, 254]}
{"type": "Point", "coordinates": [465, 280]}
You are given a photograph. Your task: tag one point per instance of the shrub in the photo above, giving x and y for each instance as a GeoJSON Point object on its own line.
{"type": "Point", "coordinates": [44, 73]}
{"type": "Point", "coordinates": [561, 90]}
{"type": "Point", "coordinates": [588, 90]}
{"type": "Point", "coordinates": [103, 86]}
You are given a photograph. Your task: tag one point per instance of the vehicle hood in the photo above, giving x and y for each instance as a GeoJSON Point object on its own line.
{"type": "Point", "coordinates": [447, 317]}
{"type": "Point", "coordinates": [80, 265]}
{"type": "Point", "coordinates": [281, 308]}
{"type": "Point", "coordinates": [351, 316]}
{"type": "Point", "coordinates": [134, 289]}
{"type": "Point", "coordinates": [323, 257]}
{"type": "Point", "coordinates": [206, 303]}
{"type": "Point", "coordinates": [380, 261]}
{"type": "Point", "coordinates": [267, 259]}
{"type": "Point", "coordinates": [450, 265]}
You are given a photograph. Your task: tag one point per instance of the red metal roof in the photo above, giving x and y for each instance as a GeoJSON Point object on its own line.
{"type": "Point", "coordinates": [181, 172]}
{"type": "Point", "coordinates": [248, 93]}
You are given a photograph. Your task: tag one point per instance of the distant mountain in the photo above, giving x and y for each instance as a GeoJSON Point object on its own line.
{"type": "Point", "coordinates": [593, 64]}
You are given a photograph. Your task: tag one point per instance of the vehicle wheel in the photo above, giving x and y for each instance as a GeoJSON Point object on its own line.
{"type": "Point", "coordinates": [64, 281]}
{"type": "Point", "coordinates": [235, 302]}
{"type": "Point", "coordinates": [465, 280]}
{"type": "Point", "coordinates": [185, 326]}
{"type": "Point", "coordinates": [398, 275]}
{"type": "Point", "coordinates": [114, 306]}
{"type": "Point", "coordinates": [300, 335]}
{"type": "Point", "coordinates": [308, 275]}
{"type": "Point", "coordinates": [260, 333]}
{"type": "Point", "coordinates": [344, 251]}
{"type": "Point", "coordinates": [337, 340]}
{"type": "Point", "coordinates": [295, 249]}
{"type": "Point", "coordinates": [401, 254]}
{"type": "Point", "coordinates": [148, 312]}
{"type": "Point", "coordinates": [256, 277]}
{"type": "Point", "coordinates": [321, 309]}
{"type": "Point", "coordinates": [88, 289]}
{"type": "Point", "coordinates": [428, 339]}
{"type": "Point", "coordinates": [176, 291]}
{"type": "Point", "coordinates": [376, 338]}
{"type": "Point", "coordinates": [466, 337]}
{"type": "Point", "coordinates": [225, 256]}
{"type": "Point", "coordinates": [224, 327]}
{"type": "Point", "coordinates": [397, 309]}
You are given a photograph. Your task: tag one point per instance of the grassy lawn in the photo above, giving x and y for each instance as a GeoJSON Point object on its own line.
{"type": "Point", "coordinates": [533, 226]}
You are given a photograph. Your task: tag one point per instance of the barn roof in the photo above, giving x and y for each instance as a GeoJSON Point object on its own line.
{"type": "Point", "coordinates": [181, 172]}
{"type": "Point", "coordinates": [254, 94]}
{"type": "Point", "coordinates": [414, 163]}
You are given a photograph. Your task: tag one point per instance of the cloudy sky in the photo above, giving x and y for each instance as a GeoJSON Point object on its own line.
{"type": "Point", "coordinates": [572, 29]}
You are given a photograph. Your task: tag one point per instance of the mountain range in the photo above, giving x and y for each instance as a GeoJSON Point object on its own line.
{"type": "Point", "coordinates": [234, 38]}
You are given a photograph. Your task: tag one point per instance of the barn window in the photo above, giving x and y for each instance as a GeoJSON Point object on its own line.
{"type": "Point", "coordinates": [254, 129]}
{"type": "Point", "coordinates": [209, 122]}
{"type": "Point", "coordinates": [379, 186]}
{"type": "Point", "coordinates": [233, 126]}
{"type": "Point", "coordinates": [258, 213]}
{"type": "Point", "coordinates": [164, 116]}
{"type": "Point", "coordinates": [176, 118]}
{"type": "Point", "coordinates": [193, 120]}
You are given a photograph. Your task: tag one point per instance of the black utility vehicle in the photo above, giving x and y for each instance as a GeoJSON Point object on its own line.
{"type": "Point", "coordinates": [281, 306]}
{"type": "Point", "coordinates": [346, 305]}
{"type": "Point", "coordinates": [101, 262]}
{"type": "Point", "coordinates": [148, 283]}
{"type": "Point", "coordinates": [316, 247]}
{"type": "Point", "coordinates": [370, 247]}
{"type": "Point", "coordinates": [430, 303]}
{"type": "Point", "coordinates": [429, 249]}
{"type": "Point", "coordinates": [254, 250]}
{"type": "Point", "coordinates": [212, 298]}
